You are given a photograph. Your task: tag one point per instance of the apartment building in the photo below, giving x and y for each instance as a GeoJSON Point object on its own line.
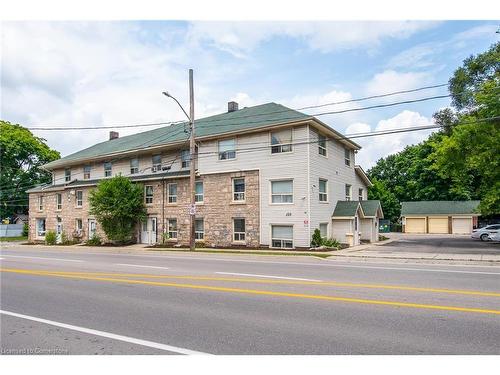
{"type": "Point", "coordinates": [267, 176]}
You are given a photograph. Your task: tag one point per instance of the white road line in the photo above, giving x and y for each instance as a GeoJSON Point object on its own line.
{"type": "Point", "coordinates": [139, 265]}
{"type": "Point", "coordinates": [132, 340]}
{"type": "Point", "coordinates": [266, 276]}
{"type": "Point", "coordinates": [58, 259]}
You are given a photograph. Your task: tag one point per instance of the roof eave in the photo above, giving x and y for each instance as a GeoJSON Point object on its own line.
{"type": "Point", "coordinates": [360, 171]}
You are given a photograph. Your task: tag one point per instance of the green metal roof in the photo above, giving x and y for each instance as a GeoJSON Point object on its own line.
{"type": "Point", "coordinates": [439, 207]}
{"type": "Point", "coordinates": [346, 209]}
{"type": "Point", "coordinates": [371, 207]}
{"type": "Point", "coordinates": [241, 120]}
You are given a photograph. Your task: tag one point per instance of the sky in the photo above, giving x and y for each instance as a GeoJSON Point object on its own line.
{"type": "Point", "coordinates": [113, 72]}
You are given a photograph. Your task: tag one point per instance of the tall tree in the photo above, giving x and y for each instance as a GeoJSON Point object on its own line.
{"type": "Point", "coordinates": [21, 157]}
{"type": "Point", "coordinates": [390, 204]}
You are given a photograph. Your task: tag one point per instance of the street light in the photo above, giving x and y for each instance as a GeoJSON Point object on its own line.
{"type": "Point", "coordinates": [179, 104]}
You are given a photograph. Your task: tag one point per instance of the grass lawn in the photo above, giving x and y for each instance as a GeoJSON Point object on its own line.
{"type": "Point", "coordinates": [320, 255]}
{"type": "Point", "coordinates": [12, 239]}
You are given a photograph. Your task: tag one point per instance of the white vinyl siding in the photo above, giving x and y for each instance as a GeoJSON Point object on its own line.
{"type": "Point", "coordinates": [282, 192]}
{"type": "Point", "coordinates": [282, 236]}
{"type": "Point", "coordinates": [281, 141]}
{"type": "Point", "coordinates": [227, 149]}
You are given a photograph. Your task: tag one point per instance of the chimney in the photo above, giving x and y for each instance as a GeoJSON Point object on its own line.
{"type": "Point", "coordinates": [113, 135]}
{"type": "Point", "coordinates": [232, 106]}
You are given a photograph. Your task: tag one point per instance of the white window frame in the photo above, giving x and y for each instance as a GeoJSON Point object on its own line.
{"type": "Point", "coordinates": [67, 175]}
{"type": "Point", "coordinates": [325, 193]}
{"type": "Point", "coordinates": [148, 198]}
{"type": "Point", "coordinates": [78, 202]}
{"type": "Point", "coordinates": [326, 231]}
{"type": "Point", "coordinates": [59, 201]}
{"type": "Point", "coordinates": [174, 196]}
{"type": "Point", "coordinates": [322, 145]}
{"type": "Point", "coordinates": [348, 192]}
{"type": "Point", "coordinates": [240, 194]}
{"type": "Point", "coordinates": [170, 232]}
{"type": "Point", "coordinates": [361, 191]}
{"type": "Point", "coordinates": [228, 154]}
{"type": "Point", "coordinates": [199, 197]}
{"type": "Point", "coordinates": [38, 232]}
{"type": "Point", "coordinates": [280, 148]}
{"type": "Point", "coordinates": [108, 172]}
{"type": "Point", "coordinates": [199, 235]}
{"type": "Point", "coordinates": [347, 156]}
{"type": "Point", "coordinates": [40, 203]}
{"type": "Point", "coordinates": [279, 194]}
{"type": "Point", "coordinates": [134, 165]}
{"type": "Point", "coordinates": [239, 237]}
{"type": "Point", "coordinates": [86, 172]}
{"type": "Point", "coordinates": [77, 229]}
{"type": "Point", "coordinates": [156, 167]}
{"type": "Point", "coordinates": [282, 240]}
{"type": "Point", "coordinates": [185, 163]}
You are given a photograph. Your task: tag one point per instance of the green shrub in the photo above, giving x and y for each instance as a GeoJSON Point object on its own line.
{"type": "Point", "coordinates": [65, 239]}
{"type": "Point", "coordinates": [25, 230]}
{"type": "Point", "coordinates": [95, 240]}
{"type": "Point", "coordinates": [50, 237]}
{"type": "Point", "coordinates": [165, 237]}
{"type": "Point", "coordinates": [316, 240]}
{"type": "Point", "coordinates": [331, 242]}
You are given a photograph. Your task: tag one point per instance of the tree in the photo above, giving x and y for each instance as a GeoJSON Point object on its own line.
{"type": "Point", "coordinates": [21, 157]}
{"type": "Point", "coordinates": [390, 204]}
{"type": "Point", "coordinates": [118, 205]}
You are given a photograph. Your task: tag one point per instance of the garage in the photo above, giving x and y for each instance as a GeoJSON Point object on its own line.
{"type": "Point", "coordinates": [462, 225]}
{"type": "Point", "coordinates": [415, 225]}
{"type": "Point", "coordinates": [438, 224]}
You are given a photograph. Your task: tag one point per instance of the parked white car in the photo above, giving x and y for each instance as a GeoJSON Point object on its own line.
{"type": "Point", "coordinates": [484, 234]}
{"type": "Point", "coordinates": [495, 237]}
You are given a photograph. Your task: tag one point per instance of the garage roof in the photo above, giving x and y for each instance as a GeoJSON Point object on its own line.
{"type": "Point", "coordinates": [369, 208]}
{"type": "Point", "coordinates": [439, 208]}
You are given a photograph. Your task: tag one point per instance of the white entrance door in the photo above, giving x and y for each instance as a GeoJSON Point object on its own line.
{"type": "Point", "coordinates": [92, 228]}
{"type": "Point", "coordinates": [148, 231]}
{"type": "Point", "coordinates": [356, 231]}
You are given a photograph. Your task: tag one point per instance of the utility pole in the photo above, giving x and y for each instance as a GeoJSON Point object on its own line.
{"type": "Point", "coordinates": [192, 152]}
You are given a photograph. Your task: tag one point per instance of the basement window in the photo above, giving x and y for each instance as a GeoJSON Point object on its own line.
{"type": "Point", "coordinates": [282, 236]}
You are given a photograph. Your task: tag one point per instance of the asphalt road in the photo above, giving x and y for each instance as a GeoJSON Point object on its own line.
{"type": "Point", "coordinates": [55, 301]}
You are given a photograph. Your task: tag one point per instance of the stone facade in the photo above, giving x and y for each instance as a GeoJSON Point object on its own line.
{"type": "Point", "coordinates": [217, 210]}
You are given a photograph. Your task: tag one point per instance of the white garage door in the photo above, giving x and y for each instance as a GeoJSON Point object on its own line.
{"type": "Point", "coordinates": [462, 225]}
{"type": "Point", "coordinates": [415, 225]}
{"type": "Point", "coordinates": [438, 224]}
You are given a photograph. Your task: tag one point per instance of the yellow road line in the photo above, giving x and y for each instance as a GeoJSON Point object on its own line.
{"type": "Point", "coordinates": [259, 281]}
{"type": "Point", "coordinates": [271, 293]}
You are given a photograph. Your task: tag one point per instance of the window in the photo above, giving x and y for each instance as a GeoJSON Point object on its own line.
{"type": "Point", "coordinates": [347, 157]}
{"type": "Point", "coordinates": [148, 192]}
{"type": "Point", "coordinates": [156, 160]}
{"type": "Point", "coordinates": [134, 165]}
{"type": "Point", "coordinates": [239, 230]}
{"type": "Point", "coordinates": [238, 189]}
{"type": "Point", "coordinates": [348, 189]}
{"type": "Point", "coordinates": [172, 228]}
{"type": "Point", "coordinates": [282, 236]}
{"type": "Point", "coordinates": [199, 229]}
{"type": "Point", "coordinates": [227, 149]}
{"type": "Point", "coordinates": [282, 191]}
{"type": "Point", "coordinates": [79, 198]}
{"type": "Point", "coordinates": [59, 201]}
{"type": "Point", "coordinates": [40, 203]}
{"type": "Point", "coordinates": [78, 225]}
{"type": "Point", "coordinates": [360, 194]}
{"type": "Point", "coordinates": [198, 195]}
{"type": "Point", "coordinates": [185, 158]}
{"type": "Point", "coordinates": [40, 227]}
{"type": "Point", "coordinates": [281, 141]}
{"type": "Point", "coordinates": [172, 193]}
{"type": "Point", "coordinates": [67, 175]}
{"type": "Point", "coordinates": [323, 229]}
{"type": "Point", "coordinates": [323, 190]}
{"type": "Point", "coordinates": [322, 144]}
{"type": "Point", "coordinates": [86, 172]}
{"type": "Point", "coordinates": [107, 169]}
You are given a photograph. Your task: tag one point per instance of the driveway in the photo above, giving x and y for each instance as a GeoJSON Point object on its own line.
{"type": "Point", "coordinates": [435, 243]}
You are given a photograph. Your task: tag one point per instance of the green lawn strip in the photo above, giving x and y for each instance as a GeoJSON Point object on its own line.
{"type": "Point", "coordinates": [11, 239]}
{"type": "Point", "coordinates": [320, 255]}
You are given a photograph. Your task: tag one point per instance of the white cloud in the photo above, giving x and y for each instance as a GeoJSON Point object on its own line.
{"type": "Point", "coordinates": [391, 80]}
{"type": "Point", "coordinates": [377, 147]}
{"type": "Point", "coordinates": [239, 38]}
